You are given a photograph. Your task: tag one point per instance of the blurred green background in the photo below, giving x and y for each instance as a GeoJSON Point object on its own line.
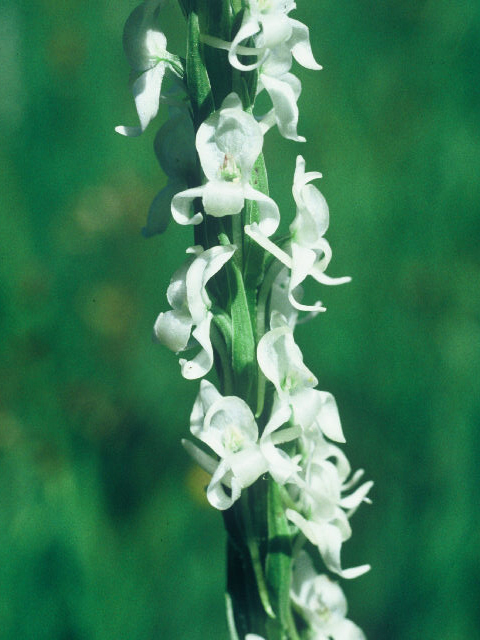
{"type": "Point", "coordinates": [104, 530]}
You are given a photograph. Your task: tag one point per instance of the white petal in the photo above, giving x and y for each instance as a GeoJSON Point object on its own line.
{"type": "Point", "coordinates": [279, 301]}
{"type": "Point", "coordinates": [238, 134]}
{"type": "Point", "coordinates": [141, 42]}
{"type": "Point", "coordinates": [211, 157]}
{"type": "Point", "coordinates": [268, 209]}
{"type": "Point", "coordinates": [327, 416]}
{"type": "Point", "coordinates": [177, 289]}
{"type": "Point", "coordinates": [203, 361]}
{"type": "Point", "coordinates": [181, 206]}
{"type": "Point", "coordinates": [205, 265]}
{"type": "Point", "coordinates": [344, 629]}
{"type": "Point", "coordinates": [321, 277]}
{"type": "Point", "coordinates": [281, 413]}
{"type": "Point", "coordinates": [248, 28]}
{"type": "Point", "coordinates": [276, 30]}
{"type": "Point", "coordinates": [328, 539]}
{"type": "Point", "coordinates": [248, 465]}
{"type": "Point", "coordinates": [232, 419]}
{"type": "Point", "coordinates": [303, 260]}
{"type": "Point", "coordinates": [281, 361]}
{"type": "Point", "coordinates": [146, 91]}
{"type": "Point", "coordinates": [173, 329]}
{"type": "Point", "coordinates": [278, 63]}
{"type": "Point", "coordinates": [207, 395]}
{"type": "Point", "coordinates": [221, 198]}
{"type": "Point", "coordinates": [285, 106]}
{"type": "Point", "coordinates": [353, 500]}
{"type": "Point", "coordinates": [300, 46]}
{"type": "Point", "coordinates": [253, 230]}
{"type": "Point", "coordinates": [216, 494]}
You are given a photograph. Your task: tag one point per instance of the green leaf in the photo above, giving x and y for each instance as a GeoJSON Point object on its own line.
{"type": "Point", "coordinates": [243, 341]}
{"type": "Point", "coordinates": [198, 82]}
{"type": "Point", "coordinates": [279, 560]}
{"type": "Point", "coordinates": [216, 20]}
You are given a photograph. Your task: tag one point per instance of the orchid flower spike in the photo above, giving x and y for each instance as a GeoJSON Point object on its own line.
{"type": "Point", "coordinates": [228, 144]}
{"type": "Point", "coordinates": [190, 314]}
{"type": "Point", "coordinates": [227, 425]}
{"type": "Point", "coordinates": [322, 603]}
{"type": "Point", "coordinates": [310, 251]}
{"type": "Point", "coordinates": [146, 50]}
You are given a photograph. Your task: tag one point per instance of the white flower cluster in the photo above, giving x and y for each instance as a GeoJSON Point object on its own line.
{"type": "Point", "coordinates": [297, 443]}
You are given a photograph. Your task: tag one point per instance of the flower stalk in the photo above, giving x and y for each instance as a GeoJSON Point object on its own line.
{"type": "Point", "coordinates": [265, 434]}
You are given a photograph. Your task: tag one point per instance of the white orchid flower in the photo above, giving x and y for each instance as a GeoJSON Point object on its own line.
{"type": "Point", "coordinates": [227, 425]}
{"type": "Point", "coordinates": [268, 23]}
{"type": "Point", "coordinates": [281, 362]}
{"type": "Point", "coordinates": [228, 143]}
{"type": "Point", "coordinates": [146, 50]}
{"type": "Point", "coordinates": [175, 149]}
{"type": "Point", "coordinates": [310, 251]}
{"type": "Point", "coordinates": [322, 603]}
{"type": "Point", "coordinates": [190, 314]}
{"type": "Point", "coordinates": [325, 506]}
{"type": "Point", "coordinates": [284, 90]}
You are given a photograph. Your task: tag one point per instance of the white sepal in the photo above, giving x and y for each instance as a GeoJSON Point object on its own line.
{"type": "Point", "coordinates": [146, 50]}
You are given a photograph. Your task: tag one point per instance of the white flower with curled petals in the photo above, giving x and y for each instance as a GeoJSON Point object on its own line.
{"type": "Point", "coordinates": [190, 315]}
{"type": "Point", "coordinates": [310, 251]}
{"type": "Point", "coordinates": [322, 603]}
{"type": "Point", "coordinates": [268, 23]}
{"type": "Point", "coordinates": [281, 362]}
{"type": "Point", "coordinates": [146, 50]}
{"type": "Point", "coordinates": [324, 506]}
{"type": "Point", "coordinates": [284, 89]}
{"type": "Point", "coordinates": [227, 425]}
{"type": "Point", "coordinates": [228, 144]}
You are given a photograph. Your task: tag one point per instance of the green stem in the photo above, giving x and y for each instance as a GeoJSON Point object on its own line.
{"type": "Point", "coordinates": [254, 550]}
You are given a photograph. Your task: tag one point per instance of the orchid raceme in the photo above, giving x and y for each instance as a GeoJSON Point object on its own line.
{"type": "Point", "coordinates": [228, 143]}
{"type": "Point", "coordinates": [266, 435]}
{"type": "Point", "coordinates": [146, 50]}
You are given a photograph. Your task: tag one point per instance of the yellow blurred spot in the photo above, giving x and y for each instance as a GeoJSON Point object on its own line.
{"type": "Point", "coordinates": [66, 50]}
{"type": "Point", "coordinates": [108, 309]}
{"type": "Point", "coordinates": [196, 481]}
